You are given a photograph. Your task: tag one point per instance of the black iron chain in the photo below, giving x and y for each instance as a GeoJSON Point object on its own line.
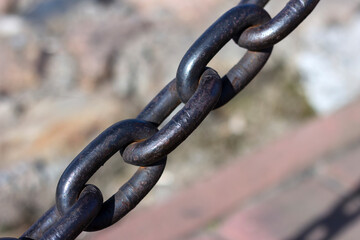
{"type": "Point", "coordinates": [79, 207]}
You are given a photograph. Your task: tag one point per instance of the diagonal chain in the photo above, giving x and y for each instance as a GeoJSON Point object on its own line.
{"type": "Point", "coordinates": [79, 207]}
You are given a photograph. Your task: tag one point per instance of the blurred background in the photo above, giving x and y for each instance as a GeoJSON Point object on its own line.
{"type": "Point", "coordinates": [69, 69]}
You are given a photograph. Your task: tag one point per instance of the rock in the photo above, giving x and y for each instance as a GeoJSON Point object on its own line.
{"type": "Point", "coordinates": [187, 11]}
{"type": "Point", "coordinates": [8, 6]}
{"type": "Point", "coordinates": [24, 189]}
{"type": "Point", "coordinates": [57, 126]}
{"type": "Point", "coordinates": [329, 61]}
{"type": "Point", "coordinates": [60, 71]}
{"type": "Point", "coordinates": [95, 53]}
{"type": "Point", "coordinates": [20, 54]}
{"type": "Point", "coordinates": [27, 5]}
{"type": "Point", "coordinates": [38, 146]}
{"type": "Point", "coordinates": [9, 113]}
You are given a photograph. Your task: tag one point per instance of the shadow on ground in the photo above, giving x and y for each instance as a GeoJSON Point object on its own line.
{"type": "Point", "coordinates": [342, 215]}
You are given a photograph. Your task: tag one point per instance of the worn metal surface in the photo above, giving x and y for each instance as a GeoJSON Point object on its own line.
{"type": "Point", "coordinates": [78, 217]}
{"type": "Point", "coordinates": [79, 207]}
{"type": "Point", "coordinates": [228, 26]}
{"type": "Point", "coordinates": [43, 224]}
{"type": "Point", "coordinates": [242, 73]}
{"type": "Point", "coordinates": [275, 30]}
{"type": "Point", "coordinates": [180, 126]}
{"type": "Point", "coordinates": [260, 3]}
{"type": "Point", "coordinates": [161, 105]}
{"type": "Point", "coordinates": [94, 156]}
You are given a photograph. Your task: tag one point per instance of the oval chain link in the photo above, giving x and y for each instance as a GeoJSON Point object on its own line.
{"type": "Point", "coordinates": [275, 30]}
{"type": "Point", "coordinates": [180, 126]}
{"type": "Point", "coordinates": [93, 157]}
{"type": "Point", "coordinates": [228, 26]}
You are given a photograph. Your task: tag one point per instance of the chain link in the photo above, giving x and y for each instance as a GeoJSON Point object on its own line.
{"type": "Point", "coordinates": [93, 157]}
{"type": "Point", "coordinates": [275, 30]}
{"type": "Point", "coordinates": [228, 26]}
{"type": "Point", "coordinates": [180, 126]}
{"type": "Point", "coordinates": [79, 207]}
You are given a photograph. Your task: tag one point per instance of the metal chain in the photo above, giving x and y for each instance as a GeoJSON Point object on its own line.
{"type": "Point", "coordinates": [79, 207]}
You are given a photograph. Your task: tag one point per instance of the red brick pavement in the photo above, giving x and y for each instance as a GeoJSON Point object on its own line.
{"type": "Point", "coordinates": [314, 199]}
{"type": "Point", "coordinates": [281, 215]}
{"type": "Point", "coordinates": [346, 171]}
{"type": "Point", "coordinates": [191, 213]}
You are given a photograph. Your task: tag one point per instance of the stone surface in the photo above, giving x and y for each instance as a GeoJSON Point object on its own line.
{"type": "Point", "coordinates": [327, 60]}
{"type": "Point", "coordinates": [7, 6]}
{"type": "Point", "coordinates": [20, 54]}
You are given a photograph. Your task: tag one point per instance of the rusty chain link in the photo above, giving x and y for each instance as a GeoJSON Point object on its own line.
{"type": "Point", "coordinates": [79, 207]}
